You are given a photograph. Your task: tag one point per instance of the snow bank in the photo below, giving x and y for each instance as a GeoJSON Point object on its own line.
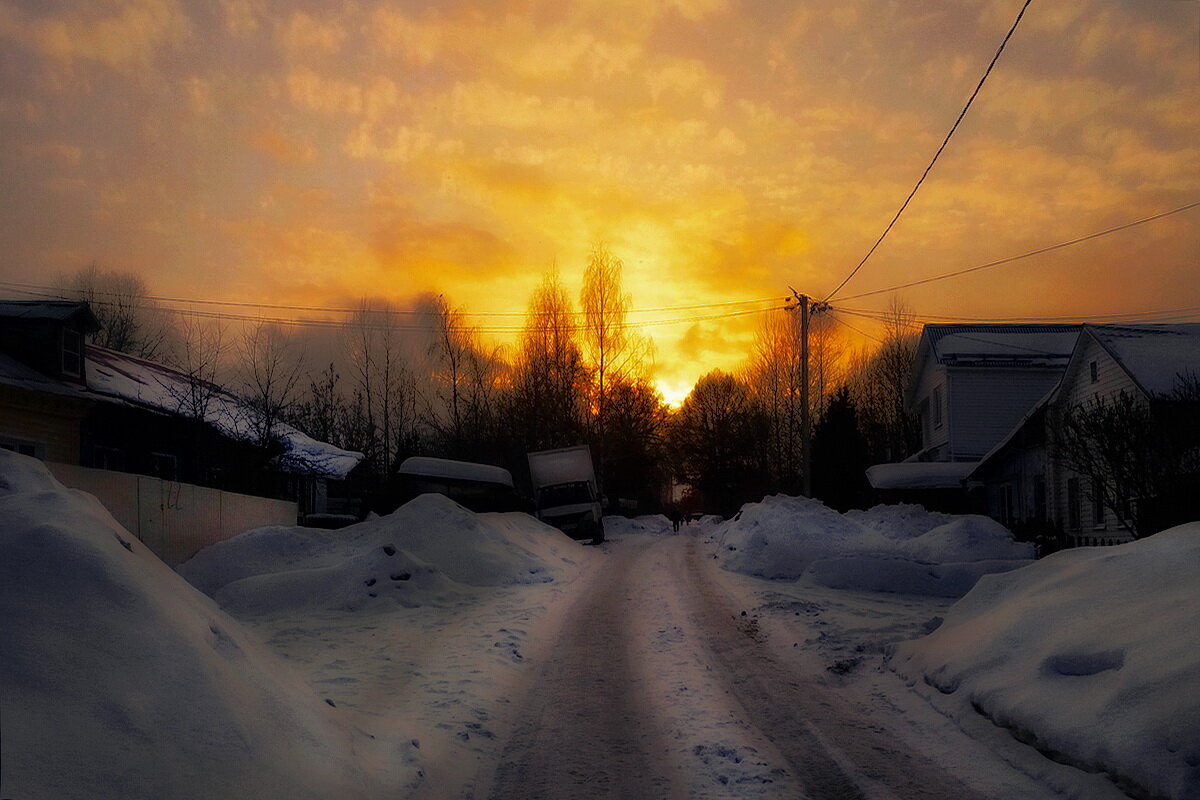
{"type": "Point", "coordinates": [899, 521]}
{"type": "Point", "coordinates": [966, 538]}
{"type": "Point", "coordinates": [780, 536]}
{"type": "Point", "coordinates": [903, 549]}
{"type": "Point", "coordinates": [1093, 654]}
{"type": "Point", "coordinates": [121, 680]}
{"type": "Point", "coordinates": [425, 553]}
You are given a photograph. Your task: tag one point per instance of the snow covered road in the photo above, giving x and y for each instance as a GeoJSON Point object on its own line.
{"type": "Point", "coordinates": [436, 654]}
{"type": "Point", "coordinates": [656, 688]}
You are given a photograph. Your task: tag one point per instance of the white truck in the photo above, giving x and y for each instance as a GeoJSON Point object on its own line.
{"type": "Point", "coordinates": [565, 491]}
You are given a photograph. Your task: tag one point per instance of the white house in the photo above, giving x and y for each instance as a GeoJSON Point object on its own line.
{"type": "Point", "coordinates": [1145, 361]}
{"type": "Point", "coordinates": [971, 384]}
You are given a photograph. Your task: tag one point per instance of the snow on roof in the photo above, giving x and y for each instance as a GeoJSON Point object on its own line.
{"type": "Point", "coordinates": [920, 474]}
{"type": "Point", "coordinates": [126, 378]}
{"type": "Point", "coordinates": [1025, 345]}
{"type": "Point", "coordinates": [1154, 355]}
{"type": "Point", "coordinates": [457, 470]}
{"type": "Point", "coordinates": [14, 373]}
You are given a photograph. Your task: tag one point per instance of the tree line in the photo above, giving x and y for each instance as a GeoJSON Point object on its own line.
{"type": "Point", "coordinates": [422, 381]}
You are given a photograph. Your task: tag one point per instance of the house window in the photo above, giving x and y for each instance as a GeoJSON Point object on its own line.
{"type": "Point", "coordinates": [26, 447]}
{"type": "Point", "coordinates": [1098, 504]}
{"type": "Point", "coordinates": [1095, 372]}
{"type": "Point", "coordinates": [937, 406]}
{"type": "Point", "coordinates": [1074, 505]}
{"type": "Point", "coordinates": [1007, 504]}
{"type": "Point", "coordinates": [1039, 497]}
{"type": "Point", "coordinates": [72, 353]}
{"type": "Point", "coordinates": [164, 465]}
{"type": "Point", "coordinates": [108, 458]}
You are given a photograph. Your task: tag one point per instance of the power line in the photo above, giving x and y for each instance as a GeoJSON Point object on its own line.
{"type": "Point", "coordinates": [857, 330]}
{"type": "Point", "coordinates": [1184, 314]}
{"type": "Point", "coordinates": [1030, 254]}
{"type": "Point", "coordinates": [942, 147]}
{"type": "Point", "coordinates": [370, 322]}
{"type": "Point", "coordinates": [52, 291]}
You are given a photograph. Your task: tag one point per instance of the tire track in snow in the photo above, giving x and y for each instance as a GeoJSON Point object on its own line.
{"type": "Point", "coordinates": [585, 733]}
{"type": "Point", "coordinates": [835, 751]}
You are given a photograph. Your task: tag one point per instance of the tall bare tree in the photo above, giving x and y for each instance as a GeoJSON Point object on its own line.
{"type": "Point", "coordinates": [384, 383]}
{"type": "Point", "coordinates": [464, 377]}
{"type": "Point", "coordinates": [271, 366]}
{"type": "Point", "coordinates": [877, 380]}
{"type": "Point", "coordinates": [549, 377]}
{"type": "Point", "coordinates": [129, 320]}
{"type": "Point", "coordinates": [615, 354]}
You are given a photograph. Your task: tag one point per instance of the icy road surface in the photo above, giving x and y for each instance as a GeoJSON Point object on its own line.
{"type": "Point", "coordinates": [658, 686]}
{"type": "Point", "coordinates": [637, 675]}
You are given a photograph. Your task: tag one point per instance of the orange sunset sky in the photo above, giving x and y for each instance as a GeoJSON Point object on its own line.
{"type": "Point", "coordinates": [315, 152]}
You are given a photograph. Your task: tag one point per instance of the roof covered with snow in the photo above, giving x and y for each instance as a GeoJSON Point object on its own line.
{"type": "Point", "coordinates": [920, 474]}
{"type": "Point", "coordinates": [425, 466]}
{"type": "Point", "coordinates": [998, 345]}
{"type": "Point", "coordinates": [1155, 356]}
{"type": "Point", "coordinates": [124, 378]}
{"type": "Point", "coordinates": [14, 373]}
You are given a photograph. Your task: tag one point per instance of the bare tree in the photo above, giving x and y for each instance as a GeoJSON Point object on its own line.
{"type": "Point", "coordinates": [198, 358]}
{"type": "Point", "coordinates": [130, 321]}
{"type": "Point", "coordinates": [549, 379]}
{"type": "Point", "coordinates": [877, 381]}
{"type": "Point", "coordinates": [614, 353]}
{"type": "Point", "coordinates": [1135, 452]}
{"type": "Point", "coordinates": [775, 377]}
{"type": "Point", "coordinates": [384, 385]}
{"type": "Point", "coordinates": [271, 366]}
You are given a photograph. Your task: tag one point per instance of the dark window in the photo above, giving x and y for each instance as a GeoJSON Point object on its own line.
{"type": "Point", "coordinates": [1007, 504]}
{"type": "Point", "coordinates": [937, 406]}
{"type": "Point", "coordinates": [1095, 372]}
{"type": "Point", "coordinates": [26, 447]}
{"type": "Point", "coordinates": [72, 353]}
{"type": "Point", "coordinates": [108, 458]}
{"type": "Point", "coordinates": [1039, 497]}
{"type": "Point", "coordinates": [164, 465]}
{"type": "Point", "coordinates": [1074, 504]}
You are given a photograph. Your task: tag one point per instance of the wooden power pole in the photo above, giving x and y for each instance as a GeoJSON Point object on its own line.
{"type": "Point", "coordinates": [807, 306]}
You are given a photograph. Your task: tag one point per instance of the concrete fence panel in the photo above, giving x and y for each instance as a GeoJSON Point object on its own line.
{"type": "Point", "coordinates": [175, 520]}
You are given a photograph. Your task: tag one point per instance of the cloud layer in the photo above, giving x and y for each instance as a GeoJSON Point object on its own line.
{"type": "Point", "coordinates": [256, 149]}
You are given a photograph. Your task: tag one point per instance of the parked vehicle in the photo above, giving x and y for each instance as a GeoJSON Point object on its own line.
{"type": "Point", "coordinates": [479, 487]}
{"type": "Point", "coordinates": [565, 491]}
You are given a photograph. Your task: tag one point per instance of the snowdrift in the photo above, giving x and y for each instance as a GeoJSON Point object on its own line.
{"type": "Point", "coordinates": [429, 552]}
{"type": "Point", "coordinates": [903, 549]}
{"type": "Point", "coordinates": [1092, 654]}
{"type": "Point", "coordinates": [120, 680]}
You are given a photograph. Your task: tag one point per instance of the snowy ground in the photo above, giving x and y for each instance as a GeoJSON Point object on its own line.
{"type": "Point", "coordinates": [437, 653]}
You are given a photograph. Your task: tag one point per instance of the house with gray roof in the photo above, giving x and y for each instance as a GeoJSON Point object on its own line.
{"type": "Point", "coordinates": [970, 384]}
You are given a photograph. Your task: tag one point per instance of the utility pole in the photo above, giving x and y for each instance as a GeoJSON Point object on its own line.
{"type": "Point", "coordinates": [807, 306]}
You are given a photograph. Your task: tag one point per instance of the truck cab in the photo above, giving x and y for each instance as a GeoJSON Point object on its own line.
{"type": "Point", "coordinates": [565, 491]}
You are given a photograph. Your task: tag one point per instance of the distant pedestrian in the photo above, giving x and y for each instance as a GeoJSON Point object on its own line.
{"type": "Point", "coordinates": [676, 517]}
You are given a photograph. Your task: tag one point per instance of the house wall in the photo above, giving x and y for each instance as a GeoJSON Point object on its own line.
{"type": "Point", "coordinates": [987, 403]}
{"type": "Point", "coordinates": [1078, 388]}
{"type": "Point", "coordinates": [51, 422]}
{"type": "Point", "coordinates": [934, 438]}
{"type": "Point", "coordinates": [175, 520]}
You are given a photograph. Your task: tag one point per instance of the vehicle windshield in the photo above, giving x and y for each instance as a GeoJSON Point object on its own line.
{"type": "Point", "coordinates": [564, 494]}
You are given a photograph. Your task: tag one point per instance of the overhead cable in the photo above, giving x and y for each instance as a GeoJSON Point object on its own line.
{"type": "Point", "coordinates": [1030, 254]}
{"type": "Point", "coordinates": [933, 161]}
